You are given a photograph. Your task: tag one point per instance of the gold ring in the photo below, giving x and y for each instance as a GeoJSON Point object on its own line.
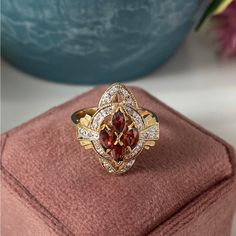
{"type": "Point", "coordinates": [118, 129]}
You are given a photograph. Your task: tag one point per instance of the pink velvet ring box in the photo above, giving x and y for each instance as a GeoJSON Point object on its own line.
{"type": "Point", "coordinates": [185, 185]}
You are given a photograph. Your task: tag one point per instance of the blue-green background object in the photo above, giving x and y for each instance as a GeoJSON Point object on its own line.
{"type": "Point", "coordinates": [93, 41]}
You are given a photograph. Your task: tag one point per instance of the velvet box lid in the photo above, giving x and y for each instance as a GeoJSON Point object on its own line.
{"type": "Point", "coordinates": [185, 185]}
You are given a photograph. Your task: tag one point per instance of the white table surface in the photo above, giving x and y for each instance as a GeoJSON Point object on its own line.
{"type": "Point", "coordinates": [194, 82]}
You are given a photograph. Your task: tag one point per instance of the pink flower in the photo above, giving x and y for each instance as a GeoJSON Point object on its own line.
{"type": "Point", "coordinates": [226, 30]}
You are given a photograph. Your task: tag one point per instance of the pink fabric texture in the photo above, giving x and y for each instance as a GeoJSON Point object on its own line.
{"type": "Point", "coordinates": [18, 219]}
{"type": "Point", "coordinates": [185, 185]}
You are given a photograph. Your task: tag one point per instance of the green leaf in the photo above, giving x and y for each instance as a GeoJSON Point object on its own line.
{"type": "Point", "coordinates": [209, 11]}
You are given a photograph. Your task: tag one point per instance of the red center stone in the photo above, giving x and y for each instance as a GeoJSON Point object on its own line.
{"type": "Point", "coordinates": [118, 152]}
{"type": "Point", "coordinates": [118, 121]}
{"type": "Point", "coordinates": [130, 137]}
{"type": "Point", "coordinates": [109, 137]}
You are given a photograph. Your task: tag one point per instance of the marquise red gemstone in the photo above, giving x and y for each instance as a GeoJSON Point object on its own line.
{"type": "Point", "coordinates": [118, 152]}
{"type": "Point", "coordinates": [130, 137]}
{"type": "Point", "coordinates": [107, 138]}
{"type": "Point", "coordinates": [118, 121]}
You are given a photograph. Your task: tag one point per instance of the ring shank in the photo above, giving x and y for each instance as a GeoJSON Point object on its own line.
{"type": "Point", "coordinates": [76, 116]}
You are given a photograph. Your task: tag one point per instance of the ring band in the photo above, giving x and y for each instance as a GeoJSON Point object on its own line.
{"type": "Point", "coordinates": [118, 129]}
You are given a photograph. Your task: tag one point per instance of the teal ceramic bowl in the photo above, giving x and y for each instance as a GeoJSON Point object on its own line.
{"type": "Point", "coordinates": [94, 41]}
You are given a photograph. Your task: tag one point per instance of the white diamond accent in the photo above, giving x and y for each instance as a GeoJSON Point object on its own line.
{"type": "Point", "coordinates": [107, 165]}
{"type": "Point", "coordinates": [136, 150]}
{"type": "Point", "coordinates": [97, 119]}
{"type": "Point", "coordinates": [129, 99]}
{"type": "Point", "coordinates": [117, 88]}
{"type": "Point", "coordinates": [150, 133]}
{"type": "Point", "coordinates": [85, 133]}
{"type": "Point", "coordinates": [128, 166]}
{"type": "Point", "coordinates": [99, 116]}
{"type": "Point", "coordinates": [138, 120]}
{"type": "Point", "coordinates": [139, 123]}
{"type": "Point", "coordinates": [99, 149]}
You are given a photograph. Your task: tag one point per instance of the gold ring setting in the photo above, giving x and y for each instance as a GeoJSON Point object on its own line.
{"type": "Point", "coordinates": [118, 129]}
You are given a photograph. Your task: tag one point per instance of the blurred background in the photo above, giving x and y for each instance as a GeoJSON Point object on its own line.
{"type": "Point", "coordinates": [55, 51]}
